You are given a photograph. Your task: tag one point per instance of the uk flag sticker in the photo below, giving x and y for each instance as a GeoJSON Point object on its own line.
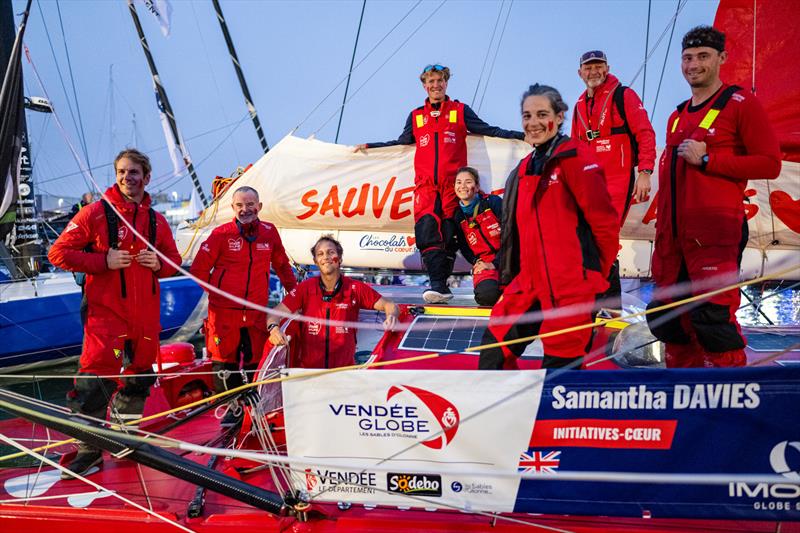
{"type": "Point", "coordinates": [539, 462]}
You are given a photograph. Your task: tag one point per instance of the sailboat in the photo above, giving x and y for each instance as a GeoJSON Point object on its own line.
{"type": "Point", "coordinates": [416, 440]}
{"type": "Point", "coordinates": [40, 311]}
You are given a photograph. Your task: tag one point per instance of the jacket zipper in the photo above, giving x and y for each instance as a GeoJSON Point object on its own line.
{"type": "Point", "coordinates": [247, 285]}
{"type": "Point", "coordinates": [327, 335]}
{"type": "Point", "coordinates": [544, 253]}
{"type": "Point", "coordinates": [673, 164]}
{"type": "Point", "coordinates": [436, 149]}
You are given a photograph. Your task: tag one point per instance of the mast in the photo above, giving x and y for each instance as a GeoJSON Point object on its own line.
{"type": "Point", "coordinates": [248, 100]}
{"type": "Point", "coordinates": [18, 203]}
{"type": "Point", "coordinates": [162, 93]}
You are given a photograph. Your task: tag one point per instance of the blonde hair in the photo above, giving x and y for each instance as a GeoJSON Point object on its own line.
{"type": "Point", "coordinates": [427, 71]}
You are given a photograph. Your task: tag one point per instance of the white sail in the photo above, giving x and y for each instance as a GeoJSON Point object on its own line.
{"type": "Point", "coordinates": [310, 187]}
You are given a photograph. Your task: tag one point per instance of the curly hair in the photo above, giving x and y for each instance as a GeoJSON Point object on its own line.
{"type": "Point", "coordinates": [704, 36]}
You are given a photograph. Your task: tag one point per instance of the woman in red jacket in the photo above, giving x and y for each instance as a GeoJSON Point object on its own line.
{"type": "Point", "coordinates": [560, 236]}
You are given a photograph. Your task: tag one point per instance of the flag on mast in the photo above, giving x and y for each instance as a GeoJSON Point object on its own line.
{"type": "Point", "coordinates": [162, 11]}
{"type": "Point", "coordinates": [179, 162]}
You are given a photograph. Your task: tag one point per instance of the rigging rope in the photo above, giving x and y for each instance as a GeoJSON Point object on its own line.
{"type": "Point", "coordinates": [149, 152]}
{"type": "Point", "coordinates": [496, 51]}
{"type": "Point", "coordinates": [325, 98]}
{"type": "Point", "coordinates": [99, 487]}
{"type": "Point", "coordinates": [72, 81]}
{"type": "Point", "coordinates": [646, 47]}
{"type": "Point", "coordinates": [214, 79]}
{"type": "Point", "coordinates": [424, 357]}
{"type": "Point", "coordinates": [488, 51]}
{"type": "Point", "coordinates": [380, 67]}
{"type": "Point", "coordinates": [671, 22]}
{"type": "Point", "coordinates": [350, 72]}
{"type": "Point", "coordinates": [666, 54]}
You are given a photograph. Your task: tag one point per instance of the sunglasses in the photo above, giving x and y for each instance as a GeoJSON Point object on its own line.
{"type": "Point", "coordinates": [437, 68]}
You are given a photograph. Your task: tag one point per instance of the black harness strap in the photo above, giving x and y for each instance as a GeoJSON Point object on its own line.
{"type": "Point", "coordinates": [721, 101]}
{"type": "Point", "coordinates": [619, 102]}
{"type": "Point", "coordinates": [113, 239]}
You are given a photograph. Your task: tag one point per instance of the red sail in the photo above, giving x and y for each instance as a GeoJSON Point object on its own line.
{"type": "Point", "coordinates": [772, 28]}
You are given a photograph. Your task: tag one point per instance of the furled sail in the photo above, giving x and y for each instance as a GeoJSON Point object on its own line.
{"type": "Point", "coordinates": [309, 187]}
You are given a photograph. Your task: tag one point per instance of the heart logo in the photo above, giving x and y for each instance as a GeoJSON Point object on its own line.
{"type": "Point", "coordinates": [86, 499]}
{"type": "Point", "coordinates": [786, 209]}
{"type": "Point", "coordinates": [411, 240]}
{"type": "Point", "coordinates": [32, 485]}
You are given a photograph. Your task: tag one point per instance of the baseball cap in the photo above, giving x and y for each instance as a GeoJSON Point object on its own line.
{"type": "Point", "coordinates": [594, 55]}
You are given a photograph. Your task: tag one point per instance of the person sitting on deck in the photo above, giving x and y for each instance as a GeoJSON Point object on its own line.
{"type": "Point", "coordinates": [478, 234]}
{"type": "Point", "coordinates": [439, 129]}
{"type": "Point", "coordinates": [329, 297]}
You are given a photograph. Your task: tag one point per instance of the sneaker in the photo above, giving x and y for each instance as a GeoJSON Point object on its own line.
{"type": "Point", "coordinates": [440, 296]}
{"type": "Point", "coordinates": [84, 462]}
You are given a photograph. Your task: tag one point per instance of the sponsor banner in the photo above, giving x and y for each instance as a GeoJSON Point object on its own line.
{"type": "Point", "coordinates": [424, 428]}
{"type": "Point", "coordinates": [311, 184]}
{"type": "Point", "coordinates": [599, 433]}
{"type": "Point", "coordinates": [705, 421]}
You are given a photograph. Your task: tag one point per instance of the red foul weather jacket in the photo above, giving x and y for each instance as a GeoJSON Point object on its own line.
{"type": "Point", "coordinates": [479, 236]}
{"type": "Point", "coordinates": [562, 226]}
{"type": "Point", "coordinates": [324, 345]}
{"type": "Point", "coordinates": [127, 298]}
{"type": "Point", "coordinates": [597, 122]}
{"type": "Point", "coordinates": [705, 207]}
{"type": "Point", "coordinates": [239, 265]}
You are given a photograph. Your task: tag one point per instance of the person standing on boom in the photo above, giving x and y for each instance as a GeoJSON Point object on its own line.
{"type": "Point", "coordinates": [439, 129]}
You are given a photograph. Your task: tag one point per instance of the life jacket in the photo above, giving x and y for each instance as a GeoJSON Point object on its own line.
{"type": "Point", "coordinates": [482, 231]}
{"type": "Point", "coordinates": [441, 140]}
{"type": "Point", "coordinates": [699, 196]}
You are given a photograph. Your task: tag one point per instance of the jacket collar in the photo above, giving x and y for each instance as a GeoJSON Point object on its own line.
{"type": "Point", "coordinates": [115, 196]}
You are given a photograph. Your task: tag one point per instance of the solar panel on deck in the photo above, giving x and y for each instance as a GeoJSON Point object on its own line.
{"type": "Point", "coordinates": [439, 333]}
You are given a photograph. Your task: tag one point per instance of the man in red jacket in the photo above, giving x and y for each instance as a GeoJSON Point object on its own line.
{"type": "Point", "coordinates": [611, 119]}
{"type": "Point", "coordinates": [716, 141]}
{"type": "Point", "coordinates": [329, 297]}
{"type": "Point", "coordinates": [236, 259]}
{"type": "Point", "coordinates": [439, 129]}
{"type": "Point", "coordinates": [122, 323]}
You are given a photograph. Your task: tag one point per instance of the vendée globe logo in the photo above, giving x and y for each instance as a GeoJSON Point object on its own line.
{"type": "Point", "coordinates": [409, 412]}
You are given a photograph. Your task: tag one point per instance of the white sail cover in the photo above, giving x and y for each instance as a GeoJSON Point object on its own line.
{"type": "Point", "coordinates": [310, 187]}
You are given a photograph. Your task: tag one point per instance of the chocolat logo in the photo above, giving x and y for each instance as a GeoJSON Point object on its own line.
{"type": "Point", "coordinates": [443, 411]}
{"type": "Point", "coordinates": [416, 484]}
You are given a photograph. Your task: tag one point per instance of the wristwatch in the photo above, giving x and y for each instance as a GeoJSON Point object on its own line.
{"type": "Point", "coordinates": [648, 172]}
{"type": "Point", "coordinates": [270, 326]}
{"type": "Point", "coordinates": [704, 162]}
